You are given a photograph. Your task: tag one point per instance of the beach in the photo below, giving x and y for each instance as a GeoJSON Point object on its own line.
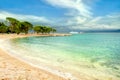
{"type": "Point", "coordinates": [95, 56]}
{"type": "Point", "coordinates": [12, 68]}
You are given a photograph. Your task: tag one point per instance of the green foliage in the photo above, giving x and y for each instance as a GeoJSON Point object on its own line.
{"type": "Point", "coordinates": [53, 30]}
{"type": "Point", "coordinates": [16, 26]}
{"type": "Point", "coordinates": [3, 28]}
{"type": "Point", "coordinates": [25, 27]}
{"type": "Point", "coordinates": [43, 29]}
{"type": "Point", "coordinates": [37, 29]}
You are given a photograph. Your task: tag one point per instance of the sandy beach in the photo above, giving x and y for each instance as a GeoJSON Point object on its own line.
{"type": "Point", "coordinates": [13, 69]}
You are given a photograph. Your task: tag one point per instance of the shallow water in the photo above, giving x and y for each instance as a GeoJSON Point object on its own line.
{"type": "Point", "coordinates": [89, 56]}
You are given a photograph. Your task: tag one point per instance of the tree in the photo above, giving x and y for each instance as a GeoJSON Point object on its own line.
{"type": "Point", "coordinates": [37, 29]}
{"type": "Point", "coordinates": [48, 29]}
{"type": "Point", "coordinates": [53, 30]}
{"type": "Point", "coordinates": [3, 28]}
{"type": "Point", "coordinates": [25, 27]}
{"type": "Point", "coordinates": [14, 25]}
{"type": "Point", "coordinates": [43, 29]}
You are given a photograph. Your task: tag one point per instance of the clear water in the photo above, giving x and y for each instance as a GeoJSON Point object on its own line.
{"type": "Point", "coordinates": [89, 56]}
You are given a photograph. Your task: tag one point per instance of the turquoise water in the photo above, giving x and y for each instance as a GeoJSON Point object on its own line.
{"type": "Point", "coordinates": [89, 56]}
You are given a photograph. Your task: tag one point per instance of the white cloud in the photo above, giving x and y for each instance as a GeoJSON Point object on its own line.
{"type": "Point", "coordinates": [78, 12]}
{"type": "Point", "coordinates": [31, 18]}
{"type": "Point", "coordinates": [94, 23]}
{"type": "Point", "coordinates": [75, 5]}
{"type": "Point", "coordinates": [102, 22]}
{"type": "Point", "coordinates": [79, 15]}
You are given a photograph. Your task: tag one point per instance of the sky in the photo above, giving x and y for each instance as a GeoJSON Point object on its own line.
{"type": "Point", "coordinates": [65, 14]}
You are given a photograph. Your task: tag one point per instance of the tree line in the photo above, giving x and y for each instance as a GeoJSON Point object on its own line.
{"type": "Point", "coordinates": [12, 25]}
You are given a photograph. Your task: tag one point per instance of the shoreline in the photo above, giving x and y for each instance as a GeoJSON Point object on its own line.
{"type": "Point", "coordinates": [10, 36]}
{"type": "Point", "coordinates": [15, 69]}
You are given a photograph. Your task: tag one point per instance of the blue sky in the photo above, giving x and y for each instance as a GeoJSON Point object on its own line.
{"type": "Point", "coordinates": [65, 14]}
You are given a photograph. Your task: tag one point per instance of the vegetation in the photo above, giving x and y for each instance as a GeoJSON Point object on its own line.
{"type": "Point", "coordinates": [44, 29]}
{"type": "Point", "coordinates": [3, 28]}
{"type": "Point", "coordinates": [25, 27]}
{"type": "Point", "coordinates": [15, 26]}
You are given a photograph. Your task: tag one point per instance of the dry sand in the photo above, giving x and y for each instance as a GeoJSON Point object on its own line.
{"type": "Point", "coordinates": [13, 69]}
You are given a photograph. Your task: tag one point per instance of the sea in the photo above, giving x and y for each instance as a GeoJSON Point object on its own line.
{"type": "Point", "coordinates": [86, 56]}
